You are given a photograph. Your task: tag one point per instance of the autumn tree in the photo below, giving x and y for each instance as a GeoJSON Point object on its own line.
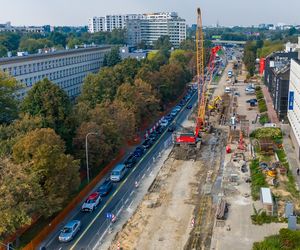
{"type": "Point", "coordinates": [42, 150]}
{"type": "Point", "coordinates": [50, 102]}
{"type": "Point", "coordinates": [9, 104]}
{"type": "Point", "coordinates": [20, 196]}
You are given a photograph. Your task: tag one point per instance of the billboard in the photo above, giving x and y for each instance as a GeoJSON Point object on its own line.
{"type": "Point", "coordinates": [291, 100]}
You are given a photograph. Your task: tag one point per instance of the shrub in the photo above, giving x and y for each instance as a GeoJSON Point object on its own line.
{"type": "Point", "coordinates": [262, 106]}
{"type": "Point", "coordinates": [263, 119]}
{"type": "Point", "coordinates": [257, 179]}
{"type": "Point", "coordinates": [273, 133]}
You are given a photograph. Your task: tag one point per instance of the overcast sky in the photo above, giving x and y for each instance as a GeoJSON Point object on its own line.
{"type": "Point", "coordinates": [77, 12]}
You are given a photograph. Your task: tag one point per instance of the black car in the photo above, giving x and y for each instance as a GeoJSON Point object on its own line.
{"type": "Point", "coordinates": [169, 117]}
{"type": "Point", "coordinates": [105, 187]}
{"type": "Point", "coordinates": [153, 136]}
{"type": "Point", "coordinates": [131, 161]}
{"type": "Point", "coordinates": [251, 100]}
{"type": "Point", "coordinates": [139, 151]}
{"type": "Point", "coordinates": [189, 106]}
{"type": "Point", "coordinates": [159, 130]}
{"type": "Point", "coordinates": [147, 143]}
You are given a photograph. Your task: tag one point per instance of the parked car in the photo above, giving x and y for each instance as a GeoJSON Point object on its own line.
{"type": "Point", "coordinates": [169, 117]}
{"type": "Point", "coordinates": [138, 152]}
{"type": "Point", "coordinates": [159, 130]}
{"type": "Point", "coordinates": [147, 143]}
{"type": "Point", "coordinates": [69, 231]}
{"type": "Point", "coordinates": [190, 106]}
{"type": "Point", "coordinates": [174, 112]}
{"type": "Point", "coordinates": [153, 136]}
{"type": "Point", "coordinates": [91, 202]}
{"type": "Point", "coordinates": [164, 123]}
{"type": "Point", "coordinates": [227, 90]}
{"type": "Point", "coordinates": [251, 100]}
{"type": "Point", "coordinates": [131, 161]}
{"type": "Point", "coordinates": [178, 108]}
{"type": "Point", "coordinates": [105, 187]}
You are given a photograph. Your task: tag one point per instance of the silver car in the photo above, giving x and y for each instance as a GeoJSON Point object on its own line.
{"type": "Point", "coordinates": [69, 231]}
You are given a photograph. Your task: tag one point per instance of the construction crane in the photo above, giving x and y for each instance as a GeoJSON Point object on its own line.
{"type": "Point", "coordinates": [192, 138]}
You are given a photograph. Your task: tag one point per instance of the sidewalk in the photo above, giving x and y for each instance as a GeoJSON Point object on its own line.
{"type": "Point", "coordinates": [271, 112]}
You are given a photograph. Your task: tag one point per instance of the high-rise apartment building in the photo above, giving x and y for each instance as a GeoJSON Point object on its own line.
{"type": "Point", "coordinates": [144, 27]}
{"type": "Point", "coordinates": [96, 24]}
{"type": "Point", "coordinates": [66, 68]}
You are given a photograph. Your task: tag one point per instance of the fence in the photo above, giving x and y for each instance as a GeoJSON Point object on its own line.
{"type": "Point", "coordinates": [77, 200]}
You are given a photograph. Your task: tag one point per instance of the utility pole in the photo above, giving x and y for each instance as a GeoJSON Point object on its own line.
{"type": "Point", "coordinates": [87, 155]}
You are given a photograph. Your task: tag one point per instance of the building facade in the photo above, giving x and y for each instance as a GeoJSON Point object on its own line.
{"type": "Point", "coordinates": [7, 27]}
{"type": "Point", "coordinates": [96, 24]}
{"type": "Point", "coordinates": [144, 27]}
{"type": "Point", "coordinates": [66, 68]}
{"type": "Point", "coordinates": [277, 74]}
{"type": "Point", "coordinates": [294, 104]}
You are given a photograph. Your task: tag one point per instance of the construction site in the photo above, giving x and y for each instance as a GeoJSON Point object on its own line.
{"type": "Point", "coordinates": [200, 198]}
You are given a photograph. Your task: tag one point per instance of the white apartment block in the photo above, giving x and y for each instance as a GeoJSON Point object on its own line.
{"type": "Point", "coordinates": [66, 68]}
{"type": "Point", "coordinates": [110, 22]}
{"type": "Point", "coordinates": [144, 27]}
{"type": "Point", "coordinates": [294, 105]}
{"type": "Point", "coordinates": [96, 24]}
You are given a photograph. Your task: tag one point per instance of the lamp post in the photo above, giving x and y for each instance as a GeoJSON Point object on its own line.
{"type": "Point", "coordinates": [87, 155]}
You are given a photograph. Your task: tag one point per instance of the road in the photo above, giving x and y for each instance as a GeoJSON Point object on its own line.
{"type": "Point", "coordinates": [92, 223]}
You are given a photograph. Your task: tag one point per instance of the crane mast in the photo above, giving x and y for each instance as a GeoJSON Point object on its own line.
{"type": "Point", "coordinates": [200, 73]}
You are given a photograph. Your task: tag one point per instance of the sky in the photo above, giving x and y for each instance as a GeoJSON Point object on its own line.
{"type": "Point", "coordinates": [77, 12]}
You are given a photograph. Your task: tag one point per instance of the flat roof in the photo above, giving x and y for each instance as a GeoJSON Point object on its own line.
{"type": "Point", "coordinates": [266, 195]}
{"type": "Point", "coordinates": [16, 59]}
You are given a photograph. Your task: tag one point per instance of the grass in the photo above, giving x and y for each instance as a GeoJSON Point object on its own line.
{"type": "Point", "coordinates": [257, 179]}
{"type": "Point", "coordinates": [286, 239]}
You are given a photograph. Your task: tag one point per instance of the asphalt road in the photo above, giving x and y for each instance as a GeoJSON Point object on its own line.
{"type": "Point", "coordinates": [92, 223]}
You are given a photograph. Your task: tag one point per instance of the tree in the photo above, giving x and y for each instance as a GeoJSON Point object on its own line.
{"type": "Point", "coordinates": [113, 57]}
{"type": "Point", "coordinates": [20, 196]}
{"type": "Point", "coordinates": [140, 98]}
{"type": "Point", "coordinates": [58, 38]}
{"type": "Point", "coordinates": [188, 44]}
{"type": "Point", "coordinates": [292, 31]}
{"type": "Point", "coordinates": [33, 45]}
{"type": "Point", "coordinates": [3, 51]}
{"type": "Point", "coordinates": [72, 42]}
{"type": "Point", "coordinates": [42, 150]}
{"type": "Point", "coordinates": [52, 104]}
{"type": "Point", "coordinates": [9, 104]}
{"type": "Point", "coordinates": [163, 43]}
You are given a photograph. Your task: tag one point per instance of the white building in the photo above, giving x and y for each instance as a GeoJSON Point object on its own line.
{"type": "Point", "coordinates": [294, 103]}
{"type": "Point", "coordinates": [143, 27]}
{"type": "Point", "coordinates": [66, 68]}
{"type": "Point", "coordinates": [96, 24]}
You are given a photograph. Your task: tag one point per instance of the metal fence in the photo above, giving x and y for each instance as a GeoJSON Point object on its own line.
{"type": "Point", "coordinates": [126, 201]}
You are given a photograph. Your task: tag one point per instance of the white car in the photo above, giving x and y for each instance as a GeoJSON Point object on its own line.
{"type": "Point", "coordinates": [227, 90]}
{"type": "Point", "coordinates": [164, 123]}
{"type": "Point", "coordinates": [91, 202]}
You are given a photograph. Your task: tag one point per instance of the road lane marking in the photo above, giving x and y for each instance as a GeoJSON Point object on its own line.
{"type": "Point", "coordinates": [125, 180]}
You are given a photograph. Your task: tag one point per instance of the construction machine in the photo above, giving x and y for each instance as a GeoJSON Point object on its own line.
{"type": "Point", "coordinates": [193, 138]}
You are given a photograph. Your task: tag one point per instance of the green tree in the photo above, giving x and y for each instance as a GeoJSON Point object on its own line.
{"type": "Point", "coordinates": [163, 43]}
{"type": "Point", "coordinates": [72, 42]}
{"type": "Point", "coordinates": [33, 45]}
{"type": "Point", "coordinates": [188, 44]}
{"type": "Point", "coordinates": [10, 40]}
{"type": "Point", "coordinates": [9, 104]}
{"type": "Point", "coordinates": [50, 102]}
{"type": "Point", "coordinates": [113, 57]}
{"type": "Point", "coordinates": [58, 38]}
{"type": "Point", "coordinates": [3, 51]}
{"type": "Point", "coordinates": [42, 150]}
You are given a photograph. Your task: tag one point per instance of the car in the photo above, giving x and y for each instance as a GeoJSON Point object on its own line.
{"type": "Point", "coordinates": [169, 117]}
{"type": "Point", "coordinates": [105, 187]}
{"type": "Point", "coordinates": [251, 100]}
{"type": "Point", "coordinates": [153, 136]}
{"type": "Point", "coordinates": [164, 123]}
{"type": "Point", "coordinates": [91, 202]}
{"type": "Point", "coordinates": [174, 112]}
{"type": "Point", "coordinates": [69, 231]}
{"type": "Point", "coordinates": [147, 143]}
{"type": "Point", "coordinates": [131, 161]}
{"type": "Point", "coordinates": [139, 151]}
{"type": "Point", "coordinates": [227, 90]}
{"type": "Point", "coordinates": [159, 130]}
{"type": "Point", "coordinates": [250, 91]}
{"type": "Point", "coordinates": [172, 128]}
{"type": "Point", "coordinates": [178, 108]}
{"type": "Point", "coordinates": [190, 106]}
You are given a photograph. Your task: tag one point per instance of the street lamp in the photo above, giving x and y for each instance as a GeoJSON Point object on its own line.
{"type": "Point", "coordinates": [87, 155]}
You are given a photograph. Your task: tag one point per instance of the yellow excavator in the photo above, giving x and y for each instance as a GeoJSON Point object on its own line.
{"type": "Point", "coordinates": [214, 103]}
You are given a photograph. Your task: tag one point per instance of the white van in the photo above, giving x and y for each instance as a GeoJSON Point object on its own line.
{"type": "Point", "coordinates": [118, 172]}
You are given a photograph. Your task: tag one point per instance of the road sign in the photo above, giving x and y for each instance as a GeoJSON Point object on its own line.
{"type": "Point", "coordinates": [108, 215]}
